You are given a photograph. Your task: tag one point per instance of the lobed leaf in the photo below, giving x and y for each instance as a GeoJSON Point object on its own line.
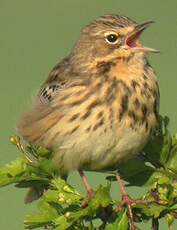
{"type": "Point", "coordinates": [11, 172]}
{"type": "Point", "coordinates": [158, 148]}
{"type": "Point", "coordinates": [120, 223]}
{"type": "Point", "coordinates": [46, 215]}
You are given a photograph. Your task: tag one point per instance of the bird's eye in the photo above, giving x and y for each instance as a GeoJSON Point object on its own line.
{"type": "Point", "coordinates": [111, 38]}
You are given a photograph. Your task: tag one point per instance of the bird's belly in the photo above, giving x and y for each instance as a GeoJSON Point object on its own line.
{"type": "Point", "coordinates": [100, 150]}
{"type": "Point", "coordinates": [127, 142]}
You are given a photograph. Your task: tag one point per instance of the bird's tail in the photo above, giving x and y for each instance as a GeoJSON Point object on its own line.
{"type": "Point", "coordinates": [35, 124]}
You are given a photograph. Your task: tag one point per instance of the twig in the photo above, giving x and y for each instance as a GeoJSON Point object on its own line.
{"type": "Point", "coordinates": [126, 201]}
{"type": "Point", "coordinates": [174, 214]}
{"type": "Point", "coordinates": [155, 224]}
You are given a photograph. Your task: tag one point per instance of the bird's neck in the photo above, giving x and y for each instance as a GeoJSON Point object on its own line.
{"type": "Point", "coordinates": [128, 67]}
{"type": "Point", "coordinates": [117, 65]}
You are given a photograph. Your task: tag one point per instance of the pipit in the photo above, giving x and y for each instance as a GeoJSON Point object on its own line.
{"type": "Point", "coordinates": [99, 105]}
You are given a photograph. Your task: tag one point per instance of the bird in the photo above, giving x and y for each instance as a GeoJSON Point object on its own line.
{"type": "Point", "coordinates": [100, 104]}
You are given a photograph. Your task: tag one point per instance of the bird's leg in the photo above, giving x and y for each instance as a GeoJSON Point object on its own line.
{"type": "Point", "coordinates": [126, 200]}
{"type": "Point", "coordinates": [90, 191]}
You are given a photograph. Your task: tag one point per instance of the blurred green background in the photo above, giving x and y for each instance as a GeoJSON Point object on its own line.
{"type": "Point", "coordinates": [35, 35]}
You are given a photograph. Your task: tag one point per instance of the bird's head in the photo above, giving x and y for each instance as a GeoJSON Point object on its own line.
{"type": "Point", "coordinates": [110, 37]}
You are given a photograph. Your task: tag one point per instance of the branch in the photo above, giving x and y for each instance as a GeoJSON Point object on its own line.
{"type": "Point", "coordinates": [155, 224]}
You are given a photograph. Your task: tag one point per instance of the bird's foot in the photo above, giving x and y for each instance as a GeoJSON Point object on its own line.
{"type": "Point", "coordinates": [128, 202]}
{"type": "Point", "coordinates": [90, 192]}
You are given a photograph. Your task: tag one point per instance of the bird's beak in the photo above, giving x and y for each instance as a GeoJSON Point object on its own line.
{"type": "Point", "coordinates": [132, 39]}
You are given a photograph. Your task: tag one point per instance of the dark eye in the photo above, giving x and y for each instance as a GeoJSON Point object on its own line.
{"type": "Point", "coordinates": [111, 38]}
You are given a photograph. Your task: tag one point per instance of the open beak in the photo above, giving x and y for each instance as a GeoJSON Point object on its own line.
{"type": "Point", "coordinates": [132, 39]}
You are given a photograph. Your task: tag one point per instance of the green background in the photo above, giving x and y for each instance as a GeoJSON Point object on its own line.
{"type": "Point", "coordinates": [35, 35]}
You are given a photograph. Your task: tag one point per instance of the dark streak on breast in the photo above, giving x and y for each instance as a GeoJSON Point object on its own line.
{"type": "Point", "coordinates": [135, 84]}
{"type": "Point", "coordinates": [122, 85]}
{"type": "Point", "coordinates": [81, 100]}
{"type": "Point", "coordinates": [144, 112]}
{"type": "Point", "coordinates": [146, 85]}
{"type": "Point", "coordinates": [110, 94]}
{"type": "Point", "coordinates": [99, 124]}
{"type": "Point", "coordinates": [74, 117]}
{"type": "Point", "coordinates": [74, 129]}
{"type": "Point", "coordinates": [145, 77]}
{"type": "Point", "coordinates": [104, 67]}
{"type": "Point", "coordinates": [88, 129]}
{"type": "Point", "coordinates": [133, 116]}
{"type": "Point", "coordinates": [147, 126]}
{"type": "Point", "coordinates": [100, 114]}
{"type": "Point", "coordinates": [124, 106]}
{"type": "Point", "coordinates": [94, 104]}
{"type": "Point", "coordinates": [136, 103]}
{"type": "Point", "coordinates": [86, 114]}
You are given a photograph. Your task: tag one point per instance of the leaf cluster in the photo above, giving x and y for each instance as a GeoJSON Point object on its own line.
{"type": "Point", "coordinates": [60, 206]}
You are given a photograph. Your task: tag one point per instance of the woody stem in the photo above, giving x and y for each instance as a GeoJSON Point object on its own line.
{"type": "Point", "coordinates": [126, 201]}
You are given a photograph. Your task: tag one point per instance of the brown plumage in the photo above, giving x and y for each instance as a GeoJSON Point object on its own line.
{"type": "Point", "coordinates": [97, 78]}
{"type": "Point", "coordinates": [100, 104]}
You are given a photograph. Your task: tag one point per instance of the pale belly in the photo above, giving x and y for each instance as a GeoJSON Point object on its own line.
{"type": "Point", "coordinates": [100, 150]}
{"type": "Point", "coordinates": [127, 144]}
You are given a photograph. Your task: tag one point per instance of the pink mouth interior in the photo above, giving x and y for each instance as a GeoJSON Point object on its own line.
{"type": "Point", "coordinates": [132, 40]}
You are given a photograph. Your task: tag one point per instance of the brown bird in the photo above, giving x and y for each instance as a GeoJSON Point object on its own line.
{"type": "Point", "coordinates": [99, 105]}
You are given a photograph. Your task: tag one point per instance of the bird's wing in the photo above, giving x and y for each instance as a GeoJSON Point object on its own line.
{"type": "Point", "coordinates": [49, 91]}
{"type": "Point", "coordinates": [60, 79]}
{"type": "Point", "coordinates": [38, 119]}
{"type": "Point", "coordinates": [57, 80]}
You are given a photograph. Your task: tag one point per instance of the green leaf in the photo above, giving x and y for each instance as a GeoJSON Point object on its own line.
{"type": "Point", "coordinates": [70, 218]}
{"type": "Point", "coordinates": [10, 173]}
{"type": "Point", "coordinates": [102, 198]}
{"type": "Point", "coordinates": [27, 181]}
{"type": "Point", "coordinates": [134, 166]}
{"type": "Point", "coordinates": [173, 207]}
{"type": "Point", "coordinates": [62, 223]}
{"type": "Point", "coordinates": [60, 205]}
{"type": "Point", "coordinates": [62, 193]}
{"type": "Point", "coordinates": [172, 161]}
{"type": "Point", "coordinates": [153, 210]}
{"type": "Point", "coordinates": [121, 223]}
{"type": "Point", "coordinates": [43, 152]}
{"type": "Point", "coordinates": [136, 172]}
{"type": "Point", "coordinates": [61, 185]}
{"type": "Point", "coordinates": [158, 148]}
{"type": "Point", "coordinates": [170, 219]}
{"type": "Point", "coordinates": [62, 197]}
{"type": "Point", "coordinates": [111, 178]}
{"type": "Point", "coordinates": [45, 215]}
{"type": "Point", "coordinates": [46, 166]}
